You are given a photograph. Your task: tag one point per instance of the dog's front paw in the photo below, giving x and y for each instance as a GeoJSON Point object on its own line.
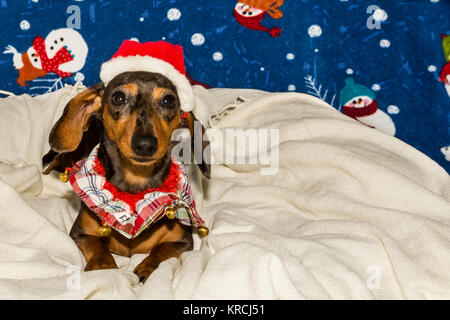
{"type": "Point", "coordinates": [101, 262]}
{"type": "Point", "coordinates": [144, 270]}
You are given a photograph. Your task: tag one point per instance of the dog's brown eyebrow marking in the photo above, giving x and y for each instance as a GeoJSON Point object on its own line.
{"type": "Point", "coordinates": [131, 88]}
{"type": "Point", "coordinates": [158, 92]}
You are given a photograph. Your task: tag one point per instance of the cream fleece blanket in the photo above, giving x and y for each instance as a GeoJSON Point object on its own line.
{"type": "Point", "coordinates": [351, 214]}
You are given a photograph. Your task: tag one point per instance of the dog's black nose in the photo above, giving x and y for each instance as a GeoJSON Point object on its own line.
{"type": "Point", "coordinates": [144, 145]}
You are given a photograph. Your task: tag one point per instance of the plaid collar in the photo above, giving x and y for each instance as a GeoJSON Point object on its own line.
{"type": "Point", "coordinates": [130, 214]}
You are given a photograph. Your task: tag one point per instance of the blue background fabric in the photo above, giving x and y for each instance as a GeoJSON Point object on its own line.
{"type": "Point", "coordinates": [394, 49]}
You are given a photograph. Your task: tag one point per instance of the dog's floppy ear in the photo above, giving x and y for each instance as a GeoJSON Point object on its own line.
{"type": "Point", "coordinates": [198, 138]}
{"type": "Point", "coordinates": [60, 161]}
{"type": "Point", "coordinates": [68, 131]}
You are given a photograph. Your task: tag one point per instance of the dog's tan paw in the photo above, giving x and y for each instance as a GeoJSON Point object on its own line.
{"type": "Point", "coordinates": [144, 270]}
{"type": "Point", "coordinates": [101, 262]}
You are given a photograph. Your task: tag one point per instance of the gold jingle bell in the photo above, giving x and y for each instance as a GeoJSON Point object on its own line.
{"type": "Point", "coordinates": [203, 231]}
{"type": "Point", "coordinates": [64, 176]}
{"type": "Point", "coordinates": [104, 230]}
{"type": "Point", "coordinates": [171, 212]}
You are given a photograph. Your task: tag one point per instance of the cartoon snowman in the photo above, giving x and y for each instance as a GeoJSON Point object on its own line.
{"type": "Point", "coordinates": [358, 102]}
{"type": "Point", "coordinates": [62, 52]}
{"type": "Point", "coordinates": [445, 73]}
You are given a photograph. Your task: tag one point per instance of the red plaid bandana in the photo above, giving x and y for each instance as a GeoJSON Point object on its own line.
{"type": "Point", "coordinates": [130, 214]}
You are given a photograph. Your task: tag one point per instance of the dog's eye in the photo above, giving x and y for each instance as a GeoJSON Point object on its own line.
{"type": "Point", "coordinates": [118, 98]}
{"type": "Point", "coordinates": [168, 101]}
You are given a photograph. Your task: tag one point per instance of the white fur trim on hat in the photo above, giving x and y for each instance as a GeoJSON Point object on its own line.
{"type": "Point", "coordinates": [112, 68]}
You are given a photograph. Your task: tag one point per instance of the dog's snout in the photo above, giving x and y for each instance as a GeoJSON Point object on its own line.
{"type": "Point", "coordinates": [144, 145]}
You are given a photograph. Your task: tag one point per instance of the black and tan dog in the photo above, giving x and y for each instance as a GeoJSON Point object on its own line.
{"type": "Point", "coordinates": [133, 119]}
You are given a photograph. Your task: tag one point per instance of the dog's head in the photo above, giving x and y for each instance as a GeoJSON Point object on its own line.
{"type": "Point", "coordinates": [139, 112]}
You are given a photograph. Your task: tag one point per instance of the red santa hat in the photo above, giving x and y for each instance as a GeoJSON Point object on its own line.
{"type": "Point", "coordinates": [158, 57]}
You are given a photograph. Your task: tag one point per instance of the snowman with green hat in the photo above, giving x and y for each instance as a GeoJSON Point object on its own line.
{"type": "Point", "coordinates": [358, 102]}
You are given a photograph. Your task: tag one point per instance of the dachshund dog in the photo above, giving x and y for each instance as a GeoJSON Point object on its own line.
{"type": "Point", "coordinates": [132, 119]}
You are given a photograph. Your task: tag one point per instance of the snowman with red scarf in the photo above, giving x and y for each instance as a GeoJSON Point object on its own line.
{"type": "Point", "coordinates": [63, 52]}
{"type": "Point", "coordinates": [358, 102]}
